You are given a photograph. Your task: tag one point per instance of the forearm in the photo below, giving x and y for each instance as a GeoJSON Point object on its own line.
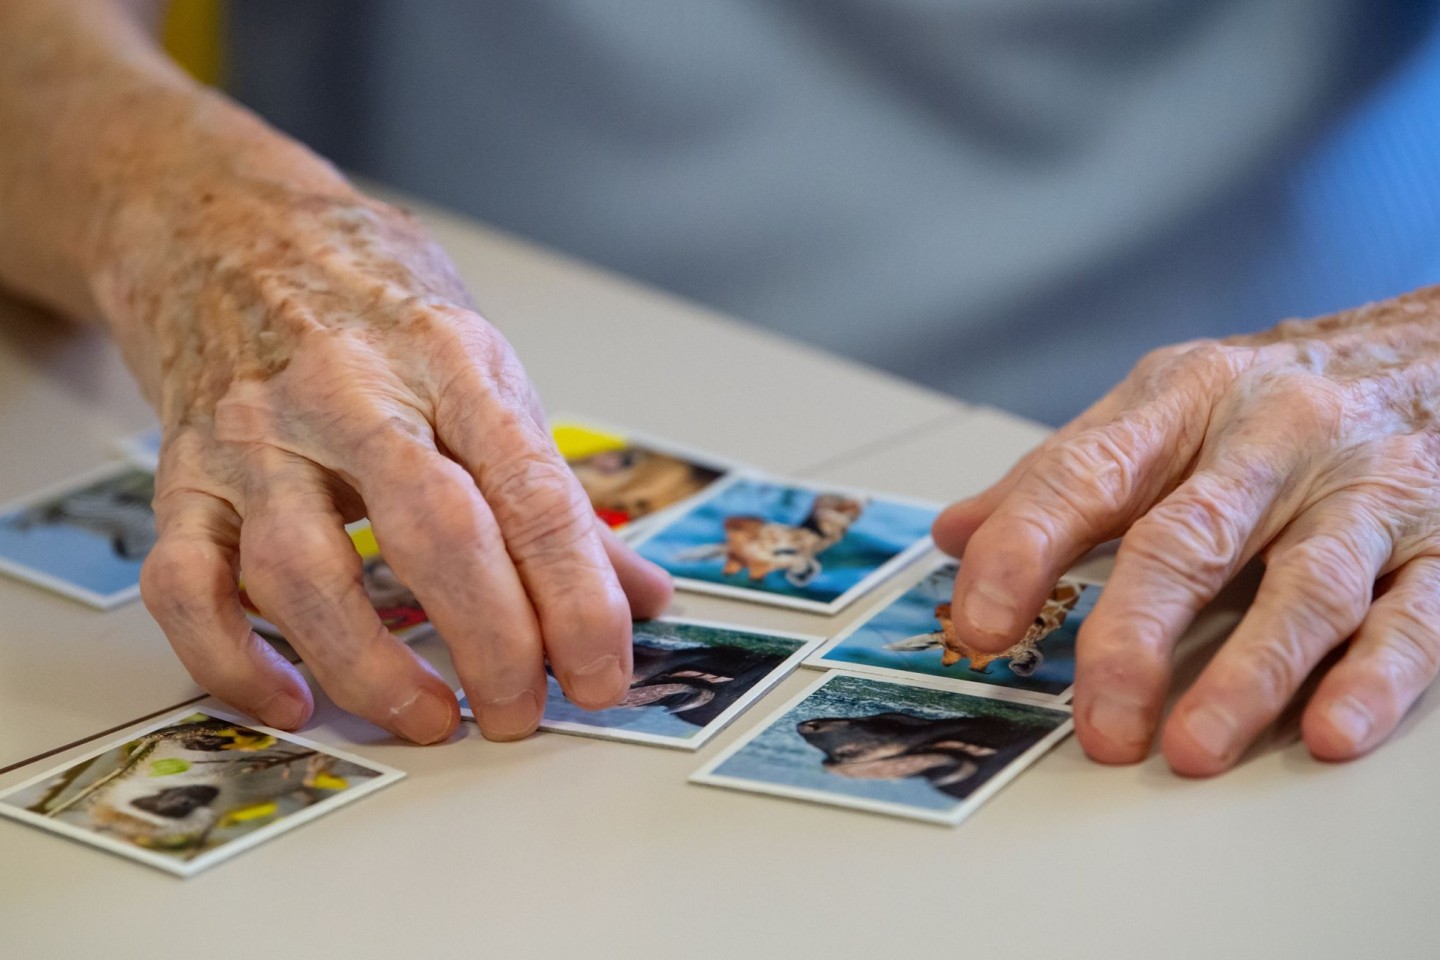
{"type": "Point", "coordinates": [106, 148]}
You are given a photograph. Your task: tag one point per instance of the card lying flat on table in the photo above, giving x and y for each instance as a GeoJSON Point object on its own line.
{"type": "Point", "coordinates": [630, 477]}
{"type": "Point", "coordinates": [192, 790]}
{"type": "Point", "coordinates": [691, 679]}
{"type": "Point", "coordinates": [912, 635]}
{"type": "Point", "coordinates": [86, 538]}
{"type": "Point", "coordinates": [903, 749]}
{"type": "Point", "coordinates": [790, 544]}
{"type": "Point", "coordinates": [394, 603]}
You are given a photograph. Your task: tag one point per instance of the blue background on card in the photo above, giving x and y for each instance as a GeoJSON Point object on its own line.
{"type": "Point", "coordinates": [655, 719]}
{"type": "Point", "coordinates": [884, 530]}
{"type": "Point", "coordinates": [70, 553]}
{"type": "Point", "coordinates": [914, 613]}
{"type": "Point", "coordinates": [779, 755]}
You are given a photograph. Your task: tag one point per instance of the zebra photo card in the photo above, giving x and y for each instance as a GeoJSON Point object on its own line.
{"type": "Point", "coordinates": [816, 548]}
{"type": "Point", "coordinates": [85, 538]}
{"type": "Point", "coordinates": [911, 634]}
{"type": "Point", "coordinates": [192, 790]}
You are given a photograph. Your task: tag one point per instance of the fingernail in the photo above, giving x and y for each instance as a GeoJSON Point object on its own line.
{"type": "Point", "coordinates": [510, 718]}
{"type": "Point", "coordinates": [424, 718]}
{"type": "Point", "coordinates": [1212, 729]}
{"type": "Point", "coordinates": [600, 682]}
{"type": "Point", "coordinates": [282, 709]}
{"type": "Point", "coordinates": [1120, 720]}
{"type": "Point", "coordinates": [990, 609]}
{"type": "Point", "coordinates": [1352, 720]}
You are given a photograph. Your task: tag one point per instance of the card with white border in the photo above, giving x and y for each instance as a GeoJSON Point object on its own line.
{"type": "Point", "coordinates": [192, 790]}
{"type": "Point", "coordinates": [913, 750]}
{"type": "Point", "coordinates": [791, 544]}
{"type": "Point", "coordinates": [85, 538]}
{"type": "Point", "coordinates": [691, 679]}
{"type": "Point", "coordinates": [632, 477]}
{"type": "Point", "coordinates": [910, 635]}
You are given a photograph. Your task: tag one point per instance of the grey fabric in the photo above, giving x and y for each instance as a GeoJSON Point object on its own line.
{"type": "Point", "coordinates": [1006, 199]}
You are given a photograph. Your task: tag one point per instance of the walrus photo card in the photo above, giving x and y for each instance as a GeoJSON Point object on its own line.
{"type": "Point", "coordinates": [631, 477]}
{"type": "Point", "coordinates": [691, 678]}
{"type": "Point", "coordinates": [192, 790]}
{"type": "Point", "coordinates": [912, 635]}
{"type": "Point", "coordinates": [85, 538]}
{"type": "Point", "coordinates": [810, 547]}
{"type": "Point", "coordinates": [909, 750]}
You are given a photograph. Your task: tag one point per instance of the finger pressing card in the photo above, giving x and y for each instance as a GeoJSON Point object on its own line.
{"type": "Point", "coordinates": [192, 790]}
{"type": "Point", "coordinates": [912, 635]}
{"type": "Point", "coordinates": [691, 678]}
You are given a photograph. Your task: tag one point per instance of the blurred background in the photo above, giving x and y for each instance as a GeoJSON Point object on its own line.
{"type": "Point", "coordinates": [1009, 200]}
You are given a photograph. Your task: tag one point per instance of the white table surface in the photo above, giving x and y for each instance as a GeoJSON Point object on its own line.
{"type": "Point", "coordinates": [567, 847]}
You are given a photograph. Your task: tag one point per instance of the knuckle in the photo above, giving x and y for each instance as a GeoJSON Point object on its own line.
{"type": "Point", "coordinates": [1192, 537]}
{"type": "Point", "coordinates": [1326, 580]}
{"type": "Point", "coordinates": [1094, 475]}
{"type": "Point", "coordinates": [1276, 666]}
{"type": "Point", "coordinates": [540, 506]}
{"type": "Point", "coordinates": [298, 571]}
{"type": "Point", "coordinates": [1410, 649]}
{"type": "Point", "coordinates": [177, 581]}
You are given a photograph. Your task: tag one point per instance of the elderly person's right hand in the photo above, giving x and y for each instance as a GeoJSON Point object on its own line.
{"type": "Point", "coordinates": [314, 359]}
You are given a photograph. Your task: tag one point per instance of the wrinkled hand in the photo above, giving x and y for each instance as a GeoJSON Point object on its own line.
{"type": "Point", "coordinates": [315, 359]}
{"type": "Point", "coordinates": [1316, 446]}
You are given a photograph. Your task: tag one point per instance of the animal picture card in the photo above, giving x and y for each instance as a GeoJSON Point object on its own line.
{"type": "Point", "coordinates": [790, 544]}
{"type": "Point", "coordinates": [86, 538]}
{"type": "Point", "coordinates": [394, 603]}
{"type": "Point", "coordinates": [630, 477]}
{"type": "Point", "coordinates": [909, 750]}
{"type": "Point", "coordinates": [912, 635]}
{"type": "Point", "coordinates": [691, 678]}
{"type": "Point", "coordinates": [192, 790]}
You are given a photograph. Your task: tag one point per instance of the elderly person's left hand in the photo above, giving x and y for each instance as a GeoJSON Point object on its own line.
{"type": "Point", "coordinates": [1316, 446]}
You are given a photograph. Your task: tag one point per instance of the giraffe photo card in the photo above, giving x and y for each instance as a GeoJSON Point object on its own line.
{"type": "Point", "coordinates": [913, 749]}
{"type": "Point", "coordinates": [911, 635]}
{"type": "Point", "coordinates": [816, 548]}
{"type": "Point", "coordinates": [691, 678]}
{"type": "Point", "coordinates": [192, 790]}
{"type": "Point", "coordinates": [85, 538]}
